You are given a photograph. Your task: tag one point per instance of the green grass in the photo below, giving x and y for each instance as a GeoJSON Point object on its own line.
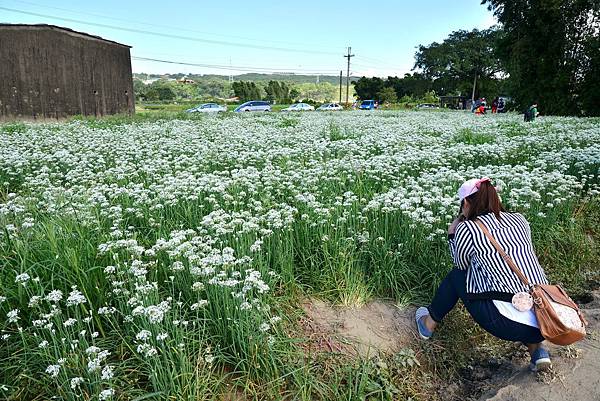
{"type": "Point", "coordinates": [469, 137]}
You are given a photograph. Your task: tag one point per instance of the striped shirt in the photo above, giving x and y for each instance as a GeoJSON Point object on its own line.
{"type": "Point", "coordinates": [488, 275]}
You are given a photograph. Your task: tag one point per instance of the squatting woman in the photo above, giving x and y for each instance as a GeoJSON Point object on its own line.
{"type": "Point", "coordinates": [481, 279]}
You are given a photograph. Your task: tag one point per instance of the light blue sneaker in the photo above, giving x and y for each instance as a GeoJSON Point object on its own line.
{"type": "Point", "coordinates": [540, 361]}
{"type": "Point", "coordinates": [424, 333]}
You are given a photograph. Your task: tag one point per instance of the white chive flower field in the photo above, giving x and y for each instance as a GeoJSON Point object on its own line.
{"type": "Point", "coordinates": [159, 259]}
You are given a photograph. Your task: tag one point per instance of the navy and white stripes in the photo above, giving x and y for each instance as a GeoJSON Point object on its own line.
{"type": "Point", "coordinates": [488, 275]}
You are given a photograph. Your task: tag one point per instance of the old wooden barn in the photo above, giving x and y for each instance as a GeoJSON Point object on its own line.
{"type": "Point", "coordinates": [49, 71]}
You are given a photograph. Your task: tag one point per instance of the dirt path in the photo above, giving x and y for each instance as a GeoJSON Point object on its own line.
{"type": "Point", "coordinates": [575, 376]}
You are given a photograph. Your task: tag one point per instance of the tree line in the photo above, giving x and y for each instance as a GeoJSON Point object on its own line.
{"type": "Point", "coordinates": [545, 51]}
{"type": "Point", "coordinates": [550, 52]}
{"type": "Point", "coordinates": [274, 91]}
{"type": "Point", "coordinates": [464, 64]}
{"type": "Point", "coordinates": [408, 89]}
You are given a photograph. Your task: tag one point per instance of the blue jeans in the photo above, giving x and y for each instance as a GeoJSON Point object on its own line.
{"type": "Point", "coordinates": [484, 312]}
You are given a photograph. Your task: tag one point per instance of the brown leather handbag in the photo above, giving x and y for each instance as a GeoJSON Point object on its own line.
{"type": "Point", "coordinates": [559, 318]}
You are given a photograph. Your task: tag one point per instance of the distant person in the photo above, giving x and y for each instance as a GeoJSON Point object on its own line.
{"type": "Point", "coordinates": [481, 109]}
{"type": "Point", "coordinates": [501, 106]}
{"type": "Point", "coordinates": [475, 105]}
{"type": "Point", "coordinates": [495, 105]}
{"type": "Point", "coordinates": [531, 113]}
{"type": "Point", "coordinates": [484, 281]}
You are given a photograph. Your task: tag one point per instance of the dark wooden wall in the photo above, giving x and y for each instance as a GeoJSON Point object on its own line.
{"type": "Point", "coordinates": [48, 73]}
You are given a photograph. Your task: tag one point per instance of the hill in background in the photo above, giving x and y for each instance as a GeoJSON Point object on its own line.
{"type": "Point", "coordinates": [195, 87]}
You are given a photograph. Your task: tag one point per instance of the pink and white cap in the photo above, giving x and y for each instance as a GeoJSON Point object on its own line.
{"type": "Point", "coordinates": [470, 187]}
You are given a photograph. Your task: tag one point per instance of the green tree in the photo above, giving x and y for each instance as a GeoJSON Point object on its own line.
{"type": "Point", "coordinates": [465, 60]}
{"type": "Point", "coordinates": [550, 49]}
{"type": "Point", "coordinates": [160, 91]}
{"type": "Point", "coordinates": [165, 93]}
{"type": "Point", "coordinates": [387, 95]}
{"type": "Point", "coordinates": [412, 85]}
{"type": "Point", "coordinates": [589, 95]}
{"type": "Point", "coordinates": [255, 92]}
{"type": "Point", "coordinates": [170, 90]}
{"type": "Point", "coordinates": [430, 97]}
{"type": "Point", "coordinates": [272, 90]}
{"type": "Point", "coordinates": [139, 89]}
{"type": "Point", "coordinates": [214, 88]}
{"type": "Point", "coordinates": [245, 91]}
{"type": "Point", "coordinates": [277, 91]}
{"type": "Point", "coordinates": [284, 93]}
{"type": "Point", "coordinates": [368, 88]}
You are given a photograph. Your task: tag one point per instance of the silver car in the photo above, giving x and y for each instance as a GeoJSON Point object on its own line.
{"type": "Point", "coordinates": [207, 108]}
{"type": "Point", "coordinates": [330, 107]}
{"type": "Point", "coordinates": [254, 105]}
{"type": "Point", "coordinates": [299, 107]}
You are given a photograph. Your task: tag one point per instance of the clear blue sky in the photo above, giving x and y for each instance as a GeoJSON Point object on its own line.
{"type": "Point", "coordinates": [251, 33]}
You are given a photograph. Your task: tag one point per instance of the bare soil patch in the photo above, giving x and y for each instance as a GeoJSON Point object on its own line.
{"type": "Point", "coordinates": [377, 327]}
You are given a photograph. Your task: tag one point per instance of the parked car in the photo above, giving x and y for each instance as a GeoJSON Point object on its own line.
{"type": "Point", "coordinates": [427, 106]}
{"type": "Point", "coordinates": [330, 107]}
{"type": "Point", "coordinates": [368, 105]}
{"type": "Point", "coordinates": [207, 108]}
{"type": "Point", "coordinates": [254, 105]}
{"type": "Point", "coordinates": [299, 107]}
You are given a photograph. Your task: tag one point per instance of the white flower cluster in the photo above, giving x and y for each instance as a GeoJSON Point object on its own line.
{"type": "Point", "coordinates": [187, 217]}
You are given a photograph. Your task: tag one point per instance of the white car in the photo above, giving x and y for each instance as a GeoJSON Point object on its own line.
{"type": "Point", "coordinates": [330, 107]}
{"type": "Point", "coordinates": [299, 107]}
{"type": "Point", "coordinates": [208, 108]}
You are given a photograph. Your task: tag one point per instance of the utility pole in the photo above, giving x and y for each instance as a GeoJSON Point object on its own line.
{"type": "Point", "coordinates": [340, 86]}
{"type": "Point", "coordinates": [348, 56]}
{"type": "Point", "coordinates": [474, 86]}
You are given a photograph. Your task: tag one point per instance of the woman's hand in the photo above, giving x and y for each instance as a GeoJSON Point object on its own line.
{"type": "Point", "coordinates": [454, 224]}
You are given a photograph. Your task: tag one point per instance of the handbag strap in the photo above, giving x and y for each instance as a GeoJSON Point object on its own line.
{"type": "Point", "coordinates": [506, 258]}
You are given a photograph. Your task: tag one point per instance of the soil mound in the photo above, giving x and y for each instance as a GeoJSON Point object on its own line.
{"type": "Point", "coordinates": [377, 327]}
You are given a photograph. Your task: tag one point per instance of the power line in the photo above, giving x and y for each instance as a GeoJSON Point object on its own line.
{"type": "Point", "coordinates": [379, 69]}
{"type": "Point", "coordinates": [165, 26]}
{"type": "Point", "coordinates": [365, 65]}
{"type": "Point", "coordinates": [377, 61]}
{"type": "Point", "coordinates": [172, 36]}
{"type": "Point", "coordinates": [184, 58]}
{"type": "Point", "coordinates": [235, 68]}
{"type": "Point", "coordinates": [228, 61]}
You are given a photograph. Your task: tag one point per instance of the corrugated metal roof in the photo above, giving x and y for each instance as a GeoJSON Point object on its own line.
{"type": "Point", "coordinates": [60, 28]}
